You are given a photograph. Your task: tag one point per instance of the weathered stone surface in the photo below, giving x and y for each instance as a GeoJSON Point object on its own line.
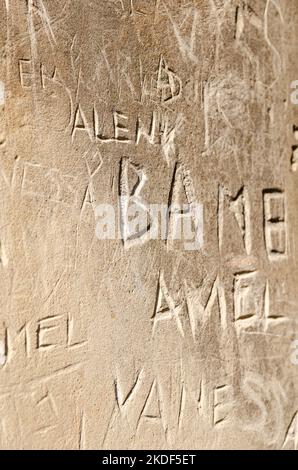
{"type": "Point", "coordinates": [139, 342]}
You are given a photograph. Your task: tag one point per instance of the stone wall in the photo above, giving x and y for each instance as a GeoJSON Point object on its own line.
{"type": "Point", "coordinates": [120, 120]}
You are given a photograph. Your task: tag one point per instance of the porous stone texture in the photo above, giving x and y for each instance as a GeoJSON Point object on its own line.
{"type": "Point", "coordinates": [136, 342]}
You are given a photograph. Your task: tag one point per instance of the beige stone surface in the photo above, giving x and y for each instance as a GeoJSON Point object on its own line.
{"type": "Point", "coordinates": [140, 342]}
